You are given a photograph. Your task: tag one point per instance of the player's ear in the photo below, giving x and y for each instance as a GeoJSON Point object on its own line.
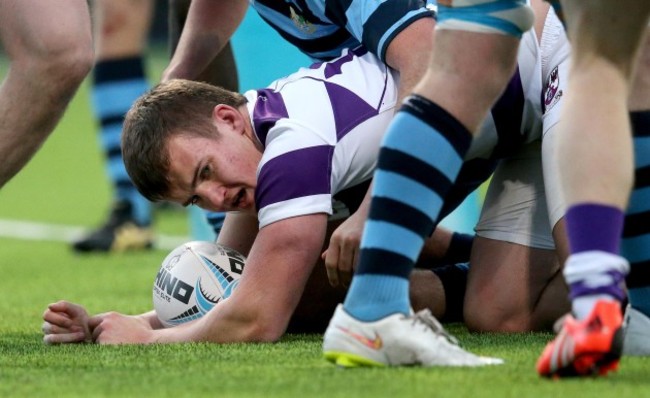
{"type": "Point", "coordinates": [226, 114]}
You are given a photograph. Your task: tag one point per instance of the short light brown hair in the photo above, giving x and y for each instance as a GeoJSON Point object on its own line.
{"type": "Point", "coordinates": [171, 108]}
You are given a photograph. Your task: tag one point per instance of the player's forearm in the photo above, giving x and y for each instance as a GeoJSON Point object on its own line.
{"type": "Point", "coordinates": [220, 331]}
{"type": "Point", "coordinates": [257, 311]}
{"type": "Point", "coordinates": [152, 319]}
{"type": "Point", "coordinates": [277, 270]}
{"type": "Point", "coordinates": [209, 27]}
{"type": "Point", "coordinates": [193, 55]}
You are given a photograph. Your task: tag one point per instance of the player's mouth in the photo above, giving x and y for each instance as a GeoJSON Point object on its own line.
{"type": "Point", "coordinates": [237, 201]}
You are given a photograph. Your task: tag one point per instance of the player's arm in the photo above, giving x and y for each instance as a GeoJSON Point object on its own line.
{"type": "Point", "coordinates": [209, 26]}
{"type": "Point", "coordinates": [259, 310]}
{"type": "Point", "coordinates": [239, 231]}
{"type": "Point", "coordinates": [273, 281]}
{"type": "Point", "coordinates": [342, 252]}
{"type": "Point", "coordinates": [409, 53]}
{"type": "Point", "coordinates": [152, 319]}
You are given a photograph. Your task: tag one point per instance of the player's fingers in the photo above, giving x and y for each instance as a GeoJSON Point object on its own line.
{"type": "Point", "coordinates": [58, 306]}
{"type": "Point", "coordinates": [62, 306]}
{"type": "Point", "coordinates": [97, 331]}
{"type": "Point", "coordinates": [49, 328]}
{"type": "Point", "coordinates": [96, 320]}
{"type": "Point", "coordinates": [57, 318]}
{"type": "Point", "coordinates": [347, 270]}
{"type": "Point", "coordinates": [332, 276]}
{"type": "Point", "coordinates": [346, 258]}
{"type": "Point", "coordinates": [98, 324]}
{"type": "Point", "coordinates": [331, 264]}
{"type": "Point", "coordinates": [68, 309]}
{"type": "Point", "coordinates": [76, 337]}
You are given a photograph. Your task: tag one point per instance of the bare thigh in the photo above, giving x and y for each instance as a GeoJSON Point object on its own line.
{"type": "Point", "coordinates": [611, 30]}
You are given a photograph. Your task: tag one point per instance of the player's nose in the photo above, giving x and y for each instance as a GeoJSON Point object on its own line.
{"type": "Point", "coordinates": [213, 196]}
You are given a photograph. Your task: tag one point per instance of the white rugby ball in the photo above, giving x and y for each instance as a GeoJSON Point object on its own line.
{"type": "Point", "coordinates": [193, 278]}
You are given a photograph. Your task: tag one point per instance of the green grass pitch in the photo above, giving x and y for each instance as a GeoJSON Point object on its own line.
{"type": "Point", "coordinates": [65, 184]}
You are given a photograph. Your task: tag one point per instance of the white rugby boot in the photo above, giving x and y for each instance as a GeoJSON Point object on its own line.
{"type": "Point", "coordinates": [397, 340]}
{"type": "Point", "coordinates": [636, 326]}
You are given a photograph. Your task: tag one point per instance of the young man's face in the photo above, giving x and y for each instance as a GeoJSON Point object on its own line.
{"type": "Point", "coordinates": [216, 174]}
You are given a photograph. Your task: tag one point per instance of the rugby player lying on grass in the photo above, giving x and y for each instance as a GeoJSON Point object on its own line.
{"type": "Point", "coordinates": [273, 159]}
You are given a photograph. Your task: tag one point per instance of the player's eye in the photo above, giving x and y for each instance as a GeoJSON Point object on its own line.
{"type": "Point", "coordinates": [205, 172]}
{"type": "Point", "coordinates": [194, 200]}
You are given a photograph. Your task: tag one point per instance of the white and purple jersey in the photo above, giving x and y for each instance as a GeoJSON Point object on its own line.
{"type": "Point", "coordinates": [321, 128]}
{"type": "Point", "coordinates": [323, 28]}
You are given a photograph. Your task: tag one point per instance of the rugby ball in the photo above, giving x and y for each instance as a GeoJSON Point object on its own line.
{"type": "Point", "coordinates": [192, 279]}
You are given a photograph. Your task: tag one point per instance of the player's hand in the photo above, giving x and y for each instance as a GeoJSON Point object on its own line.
{"type": "Point", "coordinates": [342, 254]}
{"type": "Point", "coordinates": [65, 322]}
{"type": "Point", "coordinates": [116, 328]}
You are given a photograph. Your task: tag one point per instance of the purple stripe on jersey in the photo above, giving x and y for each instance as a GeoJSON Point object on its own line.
{"type": "Point", "coordinates": [295, 174]}
{"type": "Point", "coordinates": [269, 108]}
{"type": "Point", "coordinates": [333, 68]}
{"type": "Point", "coordinates": [507, 113]}
{"type": "Point", "coordinates": [349, 110]}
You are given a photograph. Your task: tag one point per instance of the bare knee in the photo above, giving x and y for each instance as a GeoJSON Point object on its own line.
{"type": "Point", "coordinates": [63, 65]}
{"type": "Point", "coordinates": [493, 315]}
{"type": "Point", "coordinates": [72, 66]}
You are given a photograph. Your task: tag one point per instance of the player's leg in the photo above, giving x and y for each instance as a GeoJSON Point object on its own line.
{"type": "Point", "coordinates": [514, 288]}
{"type": "Point", "coordinates": [119, 78]}
{"type": "Point", "coordinates": [439, 282]}
{"type": "Point", "coordinates": [420, 158]}
{"type": "Point", "coordinates": [515, 282]}
{"type": "Point", "coordinates": [636, 233]}
{"type": "Point", "coordinates": [605, 41]}
{"type": "Point", "coordinates": [48, 61]}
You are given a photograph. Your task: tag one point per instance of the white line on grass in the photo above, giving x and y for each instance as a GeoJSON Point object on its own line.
{"type": "Point", "coordinates": [30, 230]}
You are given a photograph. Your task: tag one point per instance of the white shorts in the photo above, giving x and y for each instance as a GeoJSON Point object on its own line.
{"type": "Point", "coordinates": [524, 200]}
{"type": "Point", "coordinates": [515, 205]}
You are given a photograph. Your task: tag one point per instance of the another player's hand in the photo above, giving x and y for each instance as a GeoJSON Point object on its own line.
{"type": "Point", "coordinates": [342, 253]}
{"type": "Point", "coordinates": [115, 328]}
{"type": "Point", "coordinates": [65, 322]}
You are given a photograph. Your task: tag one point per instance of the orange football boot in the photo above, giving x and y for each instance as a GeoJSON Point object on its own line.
{"type": "Point", "coordinates": [591, 346]}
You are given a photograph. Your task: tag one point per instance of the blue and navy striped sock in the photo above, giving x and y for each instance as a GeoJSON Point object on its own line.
{"type": "Point", "coordinates": [420, 157]}
{"type": "Point", "coordinates": [117, 83]}
{"type": "Point", "coordinates": [636, 233]}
